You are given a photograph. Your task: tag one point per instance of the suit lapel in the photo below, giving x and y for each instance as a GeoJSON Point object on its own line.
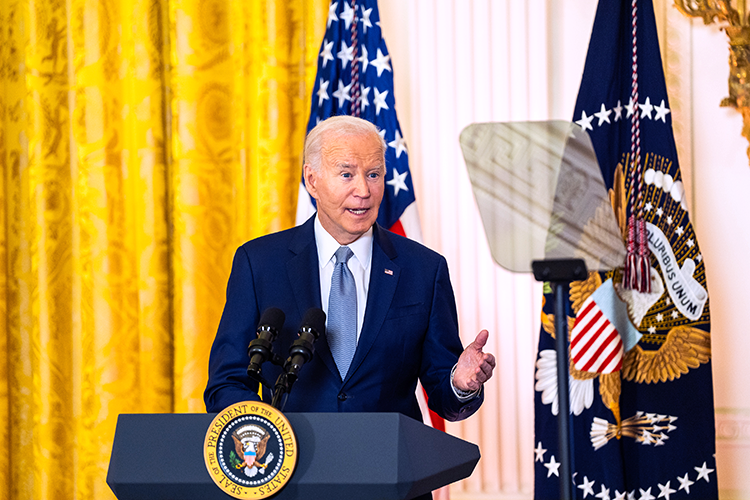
{"type": "Point", "coordinates": [384, 275]}
{"type": "Point", "coordinates": [304, 275]}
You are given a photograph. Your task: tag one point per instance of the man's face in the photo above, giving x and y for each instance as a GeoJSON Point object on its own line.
{"type": "Point", "coordinates": [348, 186]}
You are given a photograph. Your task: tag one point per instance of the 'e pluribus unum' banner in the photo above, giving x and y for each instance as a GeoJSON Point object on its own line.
{"type": "Point", "coordinates": [687, 294]}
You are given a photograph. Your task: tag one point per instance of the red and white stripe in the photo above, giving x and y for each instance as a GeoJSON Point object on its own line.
{"type": "Point", "coordinates": [595, 344]}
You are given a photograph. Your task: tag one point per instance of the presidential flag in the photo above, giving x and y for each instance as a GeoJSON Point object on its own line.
{"type": "Point", "coordinates": [643, 430]}
{"type": "Point", "coordinates": [355, 77]}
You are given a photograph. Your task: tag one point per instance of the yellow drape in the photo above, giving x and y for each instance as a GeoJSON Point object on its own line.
{"type": "Point", "coordinates": [141, 142]}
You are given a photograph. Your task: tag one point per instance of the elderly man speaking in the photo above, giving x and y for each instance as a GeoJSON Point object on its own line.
{"type": "Point", "coordinates": [391, 313]}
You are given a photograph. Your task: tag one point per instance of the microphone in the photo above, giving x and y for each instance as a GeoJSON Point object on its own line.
{"type": "Point", "coordinates": [301, 351]}
{"type": "Point", "coordinates": [261, 348]}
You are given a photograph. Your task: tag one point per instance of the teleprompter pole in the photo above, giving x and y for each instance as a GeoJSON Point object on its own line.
{"type": "Point", "coordinates": [560, 273]}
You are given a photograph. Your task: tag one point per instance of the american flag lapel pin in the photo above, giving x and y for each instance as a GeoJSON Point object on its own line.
{"type": "Point", "coordinates": [389, 272]}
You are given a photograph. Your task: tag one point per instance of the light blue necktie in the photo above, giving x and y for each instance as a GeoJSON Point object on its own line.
{"type": "Point", "coordinates": [342, 312]}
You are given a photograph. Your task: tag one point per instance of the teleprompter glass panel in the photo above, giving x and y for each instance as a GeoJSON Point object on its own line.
{"type": "Point", "coordinates": [541, 195]}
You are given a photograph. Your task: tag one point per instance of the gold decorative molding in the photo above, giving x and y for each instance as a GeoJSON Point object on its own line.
{"type": "Point", "coordinates": [733, 20]}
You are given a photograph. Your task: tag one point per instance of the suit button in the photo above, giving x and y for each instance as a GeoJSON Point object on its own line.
{"type": "Point", "coordinates": [342, 396]}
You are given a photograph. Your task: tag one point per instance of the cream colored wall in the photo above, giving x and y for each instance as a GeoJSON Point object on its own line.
{"type": "Point", "coordinates": [721, 183]}
{"type": "Point", "coordinates": [461, 61]}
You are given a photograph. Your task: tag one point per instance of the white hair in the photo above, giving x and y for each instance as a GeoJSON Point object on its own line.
{"type": "Point", "coordinates": [334, 128]}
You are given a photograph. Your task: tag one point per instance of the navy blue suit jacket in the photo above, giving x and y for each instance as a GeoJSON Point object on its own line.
{"type": "Point", "coordinates": [410, 329]}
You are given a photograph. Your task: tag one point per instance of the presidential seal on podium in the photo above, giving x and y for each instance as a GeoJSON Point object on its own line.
{"type": "Point", "coordinates": [250, 450]}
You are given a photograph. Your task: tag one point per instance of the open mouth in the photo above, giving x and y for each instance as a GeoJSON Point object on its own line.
{"type": "Point", "coordinates": [357, 211]}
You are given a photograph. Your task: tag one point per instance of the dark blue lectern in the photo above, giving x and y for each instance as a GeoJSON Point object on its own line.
{"type": "Point", "coordinates": [341, 456]}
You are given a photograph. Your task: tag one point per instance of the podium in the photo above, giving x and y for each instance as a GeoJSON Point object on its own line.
{"type": "Point", "coordinates": [341, 456]}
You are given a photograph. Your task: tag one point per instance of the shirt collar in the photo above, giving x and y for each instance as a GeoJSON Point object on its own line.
{"type": "Point", "coordinates": [327, 246]}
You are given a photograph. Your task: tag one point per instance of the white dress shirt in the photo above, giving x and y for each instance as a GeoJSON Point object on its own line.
{"type": "Point", "coordinates": [359, 265]}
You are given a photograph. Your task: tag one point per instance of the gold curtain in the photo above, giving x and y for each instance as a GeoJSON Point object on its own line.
{"type": "Point", "coordinates": [141, 142]}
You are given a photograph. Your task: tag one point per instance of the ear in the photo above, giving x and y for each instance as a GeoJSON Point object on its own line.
{"type": "Point", "coordinates": [311, 180]}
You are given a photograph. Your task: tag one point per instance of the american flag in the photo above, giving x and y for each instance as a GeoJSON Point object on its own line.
{"type": "Point", "coordinates": [355, 77]}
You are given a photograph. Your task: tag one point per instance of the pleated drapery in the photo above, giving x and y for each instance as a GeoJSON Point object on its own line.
{"type": "Point", "coordinates": [141, 142]}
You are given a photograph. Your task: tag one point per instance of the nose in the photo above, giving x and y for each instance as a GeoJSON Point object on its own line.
{"type": "Point", "coordinates": [361, 187]}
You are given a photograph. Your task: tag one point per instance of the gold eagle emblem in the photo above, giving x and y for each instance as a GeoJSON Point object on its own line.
{"type": "Point", "coordinates": [683, 348]}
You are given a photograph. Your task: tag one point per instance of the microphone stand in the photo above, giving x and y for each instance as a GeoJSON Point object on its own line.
{"type": "Point", "coordinates": [560, 272]}
{"type": "Point", "coordinates": [283, 386]}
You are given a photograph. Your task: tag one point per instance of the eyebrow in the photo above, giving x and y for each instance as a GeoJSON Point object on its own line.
{"type": "Point", "coordinates": [344, 165]}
